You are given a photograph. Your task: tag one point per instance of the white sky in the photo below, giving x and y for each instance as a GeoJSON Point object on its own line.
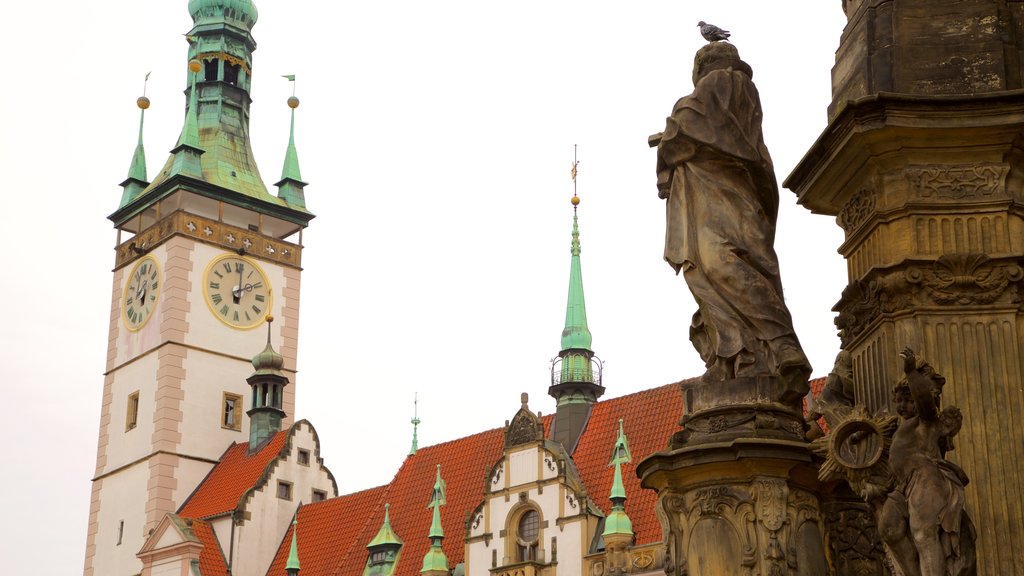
{"type": "Point", "coordinates": [437, 138]}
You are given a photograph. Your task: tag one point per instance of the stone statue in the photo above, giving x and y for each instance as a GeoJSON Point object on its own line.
{"type": "Point", "coordinates": [898, 466]}
{"type": "Point", "coordinates": [922, 519]}
{"type": "Point", "coordinates": [722, 202]}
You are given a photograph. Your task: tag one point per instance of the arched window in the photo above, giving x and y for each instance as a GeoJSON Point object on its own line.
{"type": "Point", "coordinates": [527, 536]}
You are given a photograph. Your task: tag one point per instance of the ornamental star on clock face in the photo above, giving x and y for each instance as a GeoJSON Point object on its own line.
{"type": "Point", "coordinates": [141, 293]}
{"type": "Point", "coordinates": [237, 291]}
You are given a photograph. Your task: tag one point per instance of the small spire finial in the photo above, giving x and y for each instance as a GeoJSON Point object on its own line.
{"type": "Point", "coordinates": [136, 181]}
{"type": "Point", "coordinates": [525, 399]}
{"type": "Point", "coordinates": [415, 423]}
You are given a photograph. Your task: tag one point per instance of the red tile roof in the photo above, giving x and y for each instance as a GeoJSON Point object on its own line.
{"type": "Point", "coordinates": [329, 532]}
{"type": "Point", "coordinates": [211, 559]}
{"type": "Point", "coordinates": [333, 534]}
{"type": "Point", "coordinates": [649, 418]}
{"type": "Point", "coordinates": [232, 477]}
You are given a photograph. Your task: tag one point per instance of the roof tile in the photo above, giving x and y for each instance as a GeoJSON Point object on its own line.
{"type": "Point", "coordinates": [232, 477]}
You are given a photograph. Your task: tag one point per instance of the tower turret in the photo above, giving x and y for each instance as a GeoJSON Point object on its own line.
{"type": "Point", "coordinates": [435, 563]}
{"type": "Point", "coordinates": [137, 181]}
{"type": "Point", "coordinates": [267, 384]}
{"type": "Point", "coordinates": [576, 373]}
{"type": "Point", "coordinates": [618, 528]}
{"type": "Point", "coordinates": [290, 187]}
{"type": "Point", "coordinates": [384, 549]}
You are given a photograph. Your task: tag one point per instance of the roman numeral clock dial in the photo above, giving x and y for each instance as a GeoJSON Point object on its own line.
{"type": "Point", "coordinates": [141, 293]}
{"type": "Point", "coordinates": [237, 291]}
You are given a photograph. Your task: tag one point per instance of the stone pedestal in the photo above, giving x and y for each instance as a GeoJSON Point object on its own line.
{"type": "Point", "coordinates": [759, 407]}
{"type": "Point", "coordinates": [739, 508]}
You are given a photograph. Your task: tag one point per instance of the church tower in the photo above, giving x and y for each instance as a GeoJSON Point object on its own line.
{"type": "Point", "coordinates": [204, 253]}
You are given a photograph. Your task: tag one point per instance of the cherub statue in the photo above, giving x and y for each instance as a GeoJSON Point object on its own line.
{"type": "Point", "coordinates": [920, 514]}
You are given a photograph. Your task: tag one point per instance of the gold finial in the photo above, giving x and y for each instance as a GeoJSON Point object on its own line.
{"type": "Point", "coordinates": [143, 102]}
{"type": "Point", "coordinates": [195, 65]}
{"type": "Point", "coordinates": [269, 318]}
{"type": "Point", "coordinates": [575, 199]}
{"type": "Point", "coordinates": [293, 102]}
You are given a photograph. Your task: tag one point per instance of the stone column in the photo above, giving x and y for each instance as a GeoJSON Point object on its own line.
{"type": "Point", "coordinates": [923, 168]}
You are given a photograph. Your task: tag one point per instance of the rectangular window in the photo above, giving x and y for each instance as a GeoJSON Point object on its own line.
{"type": "Point", "coordinates": [284, 490]}
{"type": "Point", "coordinates": [319, 495]}
{"type": "Point", "coordinates": [232, 414]}
{"type": "Point", "coordinates": [303, 457]}
{"type": "Point", "coordinates": [132, 417]}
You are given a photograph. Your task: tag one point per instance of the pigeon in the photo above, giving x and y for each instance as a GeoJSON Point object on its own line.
{"type": "Point", "coordinates": [712, 33]}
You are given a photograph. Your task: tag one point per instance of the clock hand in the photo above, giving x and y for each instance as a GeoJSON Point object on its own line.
{"type": "Point", "coordinates": [237, 293]}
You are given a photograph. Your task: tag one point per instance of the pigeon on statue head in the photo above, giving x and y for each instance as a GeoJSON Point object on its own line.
{"type": "Point", "coordinates": [712, 33]}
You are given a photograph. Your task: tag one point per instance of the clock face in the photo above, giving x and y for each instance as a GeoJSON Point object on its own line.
{"type": "Point", "coordinates": [141, 293]}
{"type": "Point", "coordinates": [237, 291]}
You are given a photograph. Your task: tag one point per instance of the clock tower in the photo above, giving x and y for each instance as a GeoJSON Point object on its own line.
{"type": "Point", "coordinates": [204, 253]}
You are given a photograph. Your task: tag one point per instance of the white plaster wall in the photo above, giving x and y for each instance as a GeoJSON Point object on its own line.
{"type": "Point", "coordinates": [127, 446]}
{"type": "Point", "coordinates": [257, 540]}
{"type": "Point", "coordinates": [131, 344]}
{"type": "Point", "coordinates": [189, 474]}
{"type": "Point", "coordinates": [207, 378]}
{"type": "Point", "coordinates": [522, 467]}
{"type": "Point", "coordinates": [206, 331]}
{"type": "Point", "coordinates": [570, 547]}
{"type": "Point", "coordinates": [222, 530]}
{"type": "Point", "coordinates": [478, 558]}
{"type": "Point", "coordinates": [121, 495]}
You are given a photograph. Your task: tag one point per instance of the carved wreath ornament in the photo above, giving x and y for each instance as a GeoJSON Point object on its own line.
{"type": "Point", "coordinates": [857, 449]}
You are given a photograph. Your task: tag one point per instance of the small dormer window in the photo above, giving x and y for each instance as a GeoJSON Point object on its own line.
{"type": "Point", "coordinates": [379, 557]}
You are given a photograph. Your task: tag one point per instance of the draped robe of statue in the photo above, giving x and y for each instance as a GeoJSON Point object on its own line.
{"type": "Point", "coordinates": [722, 204]}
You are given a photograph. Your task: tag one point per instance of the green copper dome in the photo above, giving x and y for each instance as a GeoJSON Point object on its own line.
{"type": "Point", "coordinates": [243, 11]}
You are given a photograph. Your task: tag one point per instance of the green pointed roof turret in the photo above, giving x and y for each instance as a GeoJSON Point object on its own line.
{"type": "Point", "coordinates": [185, 157]}
{"type": "Point", "coordinates": [386, 535]}
{"type": "Point", "coordinates": [576, 334]}
{"type": "Point", "coordinates": [269, 361]}
{"type": "Point", "coordinates": [213, 158]}
{"type": "Point", "coordinates": [292, 566]}
{"type": "Point", "coordinates": [137, 181]}
{"type": "Point", "coordinates": [576, 373]}
{"type": "Point", "coordinates": [267, 382]}
{"type": "Point", "coordinates": [290, 187]}
{"type": "Point", "coordinates": [617, 521]}
{"type": "Point", "coordinates": [435, 561]}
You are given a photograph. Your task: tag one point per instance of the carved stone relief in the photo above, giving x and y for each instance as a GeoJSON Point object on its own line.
{"type": "Point", "coordinates": [856, 210]}
{"type": "Point", "coordinates": [952, 279]}
{"type": "Point", "coordinates": [764, 527]}
{"type": "Point", "coordinates": [958, 182]}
